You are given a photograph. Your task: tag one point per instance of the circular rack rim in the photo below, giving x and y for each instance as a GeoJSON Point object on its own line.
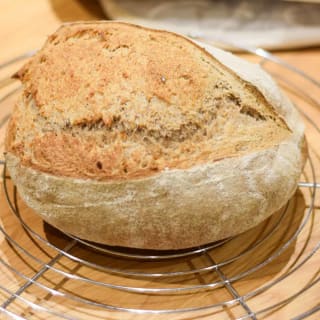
{"type": "Point", "coordinates": [212, 265]}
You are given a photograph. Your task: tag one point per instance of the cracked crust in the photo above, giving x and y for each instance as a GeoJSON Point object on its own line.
{"type": "Point", "coordinates": [148, 100]}
{"type": "Point", "coordinates": [169, 204]}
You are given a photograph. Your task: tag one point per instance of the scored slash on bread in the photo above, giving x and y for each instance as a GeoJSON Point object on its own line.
{"type": "Point", "coordinates": [129, 108]}
{"type": "Point", "coordinates": [137, 137]}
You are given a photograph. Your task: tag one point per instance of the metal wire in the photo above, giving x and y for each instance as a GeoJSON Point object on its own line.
{"type": "Point", "coordinates": [17, 59]}
{"type": "Point", "coordinates": [308, 313]}
{"type": "Point", "coordinates": [206, 251]}
{"type": "Point", "coordinates": [34, 306]}
{"type": "Point", "coordinates": [184, 253]}
{"type": "Point", "coordinates": [16, 211]}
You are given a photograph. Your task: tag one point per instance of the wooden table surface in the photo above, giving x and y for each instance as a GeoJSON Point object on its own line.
{"type": "Point", "coordinates": [24, 26]}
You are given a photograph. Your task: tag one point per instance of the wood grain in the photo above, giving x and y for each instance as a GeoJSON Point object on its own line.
{"type": "Point", "coordinates": [24, 26]}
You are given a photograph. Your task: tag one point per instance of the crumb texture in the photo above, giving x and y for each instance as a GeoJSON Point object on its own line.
{"type": "Point", "coordinates": [117, 101]}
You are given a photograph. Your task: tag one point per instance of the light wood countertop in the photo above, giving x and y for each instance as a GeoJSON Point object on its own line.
{"type": "Point", "coordinates": [24, 26]}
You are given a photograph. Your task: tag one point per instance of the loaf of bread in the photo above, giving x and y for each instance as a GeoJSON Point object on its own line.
{"type": "Point", "coordinates": [134, 137]}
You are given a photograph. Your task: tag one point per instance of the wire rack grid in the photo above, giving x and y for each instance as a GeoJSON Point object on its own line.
{"type": "Point", "coordinates": [271, 271]}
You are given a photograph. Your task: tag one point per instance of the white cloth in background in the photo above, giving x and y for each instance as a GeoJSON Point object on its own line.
{"type": "Point", "coordinates": [270, 24]}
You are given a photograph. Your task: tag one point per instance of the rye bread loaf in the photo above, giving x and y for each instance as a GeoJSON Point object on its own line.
{"type": "Point", "coordinates": [135, 137]}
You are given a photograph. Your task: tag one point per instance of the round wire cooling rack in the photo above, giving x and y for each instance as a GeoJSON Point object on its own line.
{"type": "Point", "coordinates": [271, 271]}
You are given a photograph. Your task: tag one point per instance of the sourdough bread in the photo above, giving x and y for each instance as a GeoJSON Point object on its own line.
{"type": "Point", "coordinates": [136, 137]}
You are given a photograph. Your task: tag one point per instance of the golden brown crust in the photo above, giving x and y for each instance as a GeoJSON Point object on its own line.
{"type": "Point", "coordinates": [117, 101]}
{"type": "Point", "coordinates": [243, 121]}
